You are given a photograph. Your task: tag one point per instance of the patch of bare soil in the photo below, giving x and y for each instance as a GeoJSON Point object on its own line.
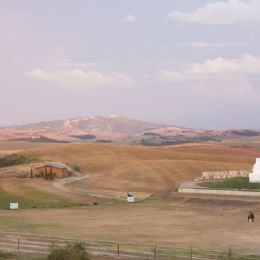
{"type": "Point", "coordinates": [221, 202]}
{"type": "Point", "coordinates": [208, 200]}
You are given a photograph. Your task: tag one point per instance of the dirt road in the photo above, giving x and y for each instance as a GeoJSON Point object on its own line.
{"type": "Point", "coordinates": [60, 184]}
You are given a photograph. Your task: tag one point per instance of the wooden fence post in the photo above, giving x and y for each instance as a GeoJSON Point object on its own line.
{"type": "Point", "coordinates": [229, 254]}
{"type": "Point", "coordinates": [155, 251]}
{"type": "Point", "coordinates": [191, 253]}
{"type": "Point", "coordinates": [52, 244]}
{"type": "Point", "coordinates": [18, 246]}
{"type": "Point", "coordinates": [118, 250]}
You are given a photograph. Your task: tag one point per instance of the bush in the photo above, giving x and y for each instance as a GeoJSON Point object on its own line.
{"type": "Point", "coordinates": [4, 255]}
{"type": "Point", "coordinates": [14, 159]}
{"type": "Point", "coordinates": [75, 251]}
{"type": "Point", "coordinates": [76, 168]}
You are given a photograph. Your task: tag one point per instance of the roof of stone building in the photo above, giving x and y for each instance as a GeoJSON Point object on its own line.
{"type": "Point", "coordinates": [55, 165]}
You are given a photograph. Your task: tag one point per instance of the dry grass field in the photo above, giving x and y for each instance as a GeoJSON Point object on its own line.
{"type": "Point", "coordinates": [38, 193]}
{"type": "Point", "coordinates": [114, 170]}
{"type": "Point", "coordinates": [156, 222]}
{"type": "Point", "coordinates": [7, 147]}
{"type": "Point", "coordinates": [117, 169]}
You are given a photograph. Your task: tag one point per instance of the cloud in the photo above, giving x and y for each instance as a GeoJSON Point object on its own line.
{"type": "Point", "coordinates": [203, 45]}
{"type": "Point", "coordinates": [221, 12]}
{"type": "Point", "coordinates": [246, 64]}
{"type": "Point", "coordinates": [40, 74]}
{"type": "Point", "coordinates": [78, 78]}
{"type": "Point", "coordinates": [130, 19]}
{"type": "Point", "coordinates": [219, 77]}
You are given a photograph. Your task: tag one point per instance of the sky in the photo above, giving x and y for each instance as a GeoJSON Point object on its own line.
{"type": "Point", "coordinates": [188, 63]}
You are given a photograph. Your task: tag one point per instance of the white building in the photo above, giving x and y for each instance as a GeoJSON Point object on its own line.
{"type": "Point", "coordinates": [254, 177]}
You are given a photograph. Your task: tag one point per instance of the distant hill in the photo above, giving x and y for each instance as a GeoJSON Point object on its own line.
{"type": "Point", "coordinates": [110, 123]}
{"type": "Point", "coordinates": [116, 129]}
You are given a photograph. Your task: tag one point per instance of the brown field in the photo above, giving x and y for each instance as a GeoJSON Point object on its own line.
{"type": "Point", "coordinates": [16, 146]}
{"type": "Point", "coordinates": [229, 152]}
{"type": "Point", "coordinates": [218, 222]}
{"type": "Point", "coordinates": [118, 169]}
{"type": "Point", "coordinates": [156, 222]}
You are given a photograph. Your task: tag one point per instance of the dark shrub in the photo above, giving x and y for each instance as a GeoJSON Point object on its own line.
{"type": "Point", "coordinates": [76, 168]}
{"type": "Point", "coordinates": [75, 251]}
{"type": "Point", "coordinates": [14, 159]}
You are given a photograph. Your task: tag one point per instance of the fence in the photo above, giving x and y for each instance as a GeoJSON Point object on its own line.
{"type": "Point", "coordinates": [28, 244]}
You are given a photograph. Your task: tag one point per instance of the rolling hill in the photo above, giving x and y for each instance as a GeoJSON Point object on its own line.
{"type": "Point", "coordinates": [106, 129]}
{"type": "Point", "coordinates": [116, 169]}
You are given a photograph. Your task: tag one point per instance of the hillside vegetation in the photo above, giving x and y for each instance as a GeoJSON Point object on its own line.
{"type": "Point", "coordinates": [14, 159]}
{"type": "Point", "coordinates": [233, 183]}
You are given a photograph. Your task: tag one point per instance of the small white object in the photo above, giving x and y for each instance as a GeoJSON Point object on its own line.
{"type": "Point", "coordinates": [14, 205]}
{"type": "Point", "coordinates": [254, 177]}
{"type": "Point", "coordinates": [130, 197]}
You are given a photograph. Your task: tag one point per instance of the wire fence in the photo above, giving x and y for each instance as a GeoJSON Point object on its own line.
{"type": "Point", "coordinates": [29, 244]}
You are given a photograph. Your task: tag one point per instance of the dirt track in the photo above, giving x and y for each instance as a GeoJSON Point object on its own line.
{"type": "Point", "coordinates": [60, 184]}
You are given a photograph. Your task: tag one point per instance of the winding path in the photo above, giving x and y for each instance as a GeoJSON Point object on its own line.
{"type": "Point", "coordinates": [61, 183]}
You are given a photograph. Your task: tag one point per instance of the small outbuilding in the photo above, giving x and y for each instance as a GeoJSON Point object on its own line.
{"type": "Point", "coordinates": [51, 170]}
{"type": "Point", "coordinates": [130, 197]}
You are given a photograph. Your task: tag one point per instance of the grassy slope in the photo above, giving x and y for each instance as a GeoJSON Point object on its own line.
{"type": "Point", "coordinates": [30, 197]}
{"type": "Point", "coordinates": [116, 169]}
{"type": "Point", "coordinates": [233, 183]}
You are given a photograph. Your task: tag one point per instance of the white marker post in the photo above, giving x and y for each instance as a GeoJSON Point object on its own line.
{"type": "Point", "coordinates": [14, 205]}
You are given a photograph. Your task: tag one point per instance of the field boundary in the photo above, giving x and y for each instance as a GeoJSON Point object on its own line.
{"type": "Point", "coordinates": [233, 192]}
{"type": "Point", "coordinates": [30, 244]}
{"type": "Point", "coordinates": [193, 187]}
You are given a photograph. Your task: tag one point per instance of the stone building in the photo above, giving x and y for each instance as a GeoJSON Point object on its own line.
{"type": "Point", "coordinates": [51, 170]}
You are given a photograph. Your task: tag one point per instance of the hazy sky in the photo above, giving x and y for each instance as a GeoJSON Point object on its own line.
{"type": "Point", "coordinates": [194, 63]}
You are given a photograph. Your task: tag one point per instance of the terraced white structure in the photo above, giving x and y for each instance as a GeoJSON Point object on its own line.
{"type": "Point", "coordinates": [254, 177]}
